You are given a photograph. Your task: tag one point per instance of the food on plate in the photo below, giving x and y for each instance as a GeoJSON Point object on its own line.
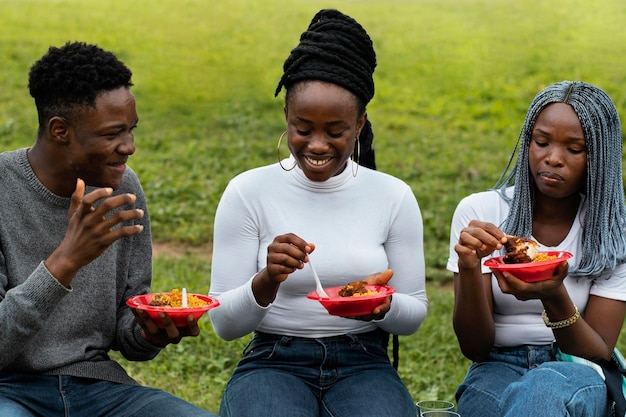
{"type": "Point", "coordinates": [175, 299]}
{"type": "Point", "coordinates": [523, 250]}
{"type": "Point", "coordinates": [519, 250]}
{"type": "Point", "coordinates": [161, 300]}
{"type": "Point", "coordinates": [356, 289]}
{"type": "Point", "coordinates": [543, 257]}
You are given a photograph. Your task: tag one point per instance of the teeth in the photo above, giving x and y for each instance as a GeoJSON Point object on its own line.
{"type": "Point", "coordinates": [318, 162]}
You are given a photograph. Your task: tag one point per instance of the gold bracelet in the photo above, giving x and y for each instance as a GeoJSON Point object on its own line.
{"type": "Point", "coordinates": [563, 323]}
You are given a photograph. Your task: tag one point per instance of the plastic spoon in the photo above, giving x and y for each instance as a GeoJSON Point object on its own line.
{"type": "Point", "coordinates": [184, 298]}
{"type": "Point", "coordinates": [318, 284]}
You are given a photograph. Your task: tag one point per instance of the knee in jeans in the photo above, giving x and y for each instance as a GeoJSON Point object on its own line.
{"type": "Point", "coordinates": [470, 397]}
{"type": "Point", "coordinates": [558, 380]}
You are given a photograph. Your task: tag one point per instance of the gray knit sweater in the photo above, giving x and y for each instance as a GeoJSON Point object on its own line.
{"type": "Point", "coordinates": [46, 328]}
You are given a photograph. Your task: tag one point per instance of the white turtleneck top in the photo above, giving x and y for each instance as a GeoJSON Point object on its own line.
{"type": "Point", "coordinates": [359, 225]}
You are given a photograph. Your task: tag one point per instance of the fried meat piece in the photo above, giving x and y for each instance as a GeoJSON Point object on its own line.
{"type": "Point", "coordinates": [356, 287]}
{"type": "Point", "coordinates": [519, 250]}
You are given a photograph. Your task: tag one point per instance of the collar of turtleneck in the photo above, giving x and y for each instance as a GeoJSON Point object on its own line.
{"type": "Point", "coordinates": [330, 184]}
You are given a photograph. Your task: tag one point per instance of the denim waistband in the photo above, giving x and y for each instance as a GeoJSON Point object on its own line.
{"type": "Point", "coordinates": [526, 356]}
{"type": "Point", "coordinates": [551, 347]}
{"type": "Point", "coordinates": [374, 335]}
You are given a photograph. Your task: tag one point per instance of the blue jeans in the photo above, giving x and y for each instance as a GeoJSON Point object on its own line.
{"type": "Point", "coordinates": [341, 376]}
{"type": "Point", "coordinates": [527, 381]}
{"type": "Point", "coordinates": [29, 395]}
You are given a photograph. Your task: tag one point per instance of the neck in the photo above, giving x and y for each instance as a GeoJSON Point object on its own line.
{"type": "Point", "coordinates": [553, 218]}
{"type": "Point", "coordinates": [42, 162]}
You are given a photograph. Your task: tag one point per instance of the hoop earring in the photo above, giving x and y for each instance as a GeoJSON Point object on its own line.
{"type": "Point", "coordinates": [280, 139]}
{"type": "Point", "coordinates": [358, 157]}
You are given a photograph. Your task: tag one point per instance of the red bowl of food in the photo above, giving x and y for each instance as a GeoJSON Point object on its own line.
{"type": "Point", "coordinates": [536, 270]}
{"type": "Point", "coordinates": [355, 305]}
{"type": "Point", "coordinates": [198, 304]}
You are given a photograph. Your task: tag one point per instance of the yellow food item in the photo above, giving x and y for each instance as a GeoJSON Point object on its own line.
{"type": "Point", "coordinates": [543, 257]}
{"type": "Point", "coordinates": [175, 299]}
{"type": "Point", "coordinates": [368, 292]}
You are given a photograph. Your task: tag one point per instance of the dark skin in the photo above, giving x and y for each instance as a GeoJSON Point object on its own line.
{"type": "Point", "coordinates": [322, 126]}
{"type": "Point", "coordinates": [557, 162]}
{"type": "Point", "coordinates": [93, 150]}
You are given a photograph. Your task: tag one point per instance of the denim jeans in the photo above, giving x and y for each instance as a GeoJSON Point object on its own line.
{"type": "Point", "coordinates": [527, 381]}
{"type": "Point", "coordinates": [341, 376]}
{"type": "Point", "coordinates": [28, 395]}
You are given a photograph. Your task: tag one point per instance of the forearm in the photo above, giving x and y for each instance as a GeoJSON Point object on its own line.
{"type": "Point", "coordinates": [131, 343]}
{"type": "Point", "coordinates": [590, 334]}
{"type": "Point", "coordinates": [264, 289]}
{"type": "Point", "coordinates": [238, 313]}
{"type": "Point", "coordinates": [473, 313]}
{"type": "Point", "coordinates": [580, 339]}
{"type": "Point", "coordinates": [24, 310]}
{"type": "Point", "coordinates": [405, 316]}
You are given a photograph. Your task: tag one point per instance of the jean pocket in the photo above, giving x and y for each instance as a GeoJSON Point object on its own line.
{"type": "Point", "coordinates": [260, 349]}
{"type": "Point", "coordinates": [373, 349]}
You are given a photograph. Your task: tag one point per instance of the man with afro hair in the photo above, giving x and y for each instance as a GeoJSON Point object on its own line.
{"type": "Point", "coordinates": [75, 244]}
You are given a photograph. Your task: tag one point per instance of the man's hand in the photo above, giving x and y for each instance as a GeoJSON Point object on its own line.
{"type": "Point", "coordinates": [91, 230]}
{"type": "Point", "coordinates": [169, 333]}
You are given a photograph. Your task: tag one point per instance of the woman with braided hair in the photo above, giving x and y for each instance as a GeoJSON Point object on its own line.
{"type": "Point", "coordinates": [532, 343]}
{"type": "Point", "coordinates": [362, 224]}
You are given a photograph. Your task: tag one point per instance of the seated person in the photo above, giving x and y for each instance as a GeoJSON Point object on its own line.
{"type": "Point", "coordinates": [75, 244]}
{"type": "Point", "coordinates": [566, 194]}
{"type": "Point", "coordinates": [324, 201]}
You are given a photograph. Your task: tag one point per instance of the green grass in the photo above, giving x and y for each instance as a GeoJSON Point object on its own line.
{"type": "Point", "coordinates": [453, 82]}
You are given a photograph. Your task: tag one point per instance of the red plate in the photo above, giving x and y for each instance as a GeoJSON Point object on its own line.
{"type": "Point", "coordinates": [177, 314]}
{"type": "Point", "coordinates": [352, 306]}
{"type": "Point", "coordinates": [530, 271]}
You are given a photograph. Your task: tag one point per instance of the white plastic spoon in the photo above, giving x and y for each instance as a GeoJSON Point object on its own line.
{"type": "Point", "coordinates": [184, 298]}
{"type": "Point", "coordinates": [318, 284]}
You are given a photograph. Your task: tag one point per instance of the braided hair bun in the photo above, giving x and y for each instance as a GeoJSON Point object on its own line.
{"type": "Point", "coordinates": [335, 48]}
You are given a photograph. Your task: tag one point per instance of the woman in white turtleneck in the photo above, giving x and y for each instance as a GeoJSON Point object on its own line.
{"type": "Point", "coordinates": [353, 222]}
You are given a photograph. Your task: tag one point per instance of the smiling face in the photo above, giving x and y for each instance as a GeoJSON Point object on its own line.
{"type": "Point", "coordinates": [100, 139]}
{"type": "Point", "coordinates": [557, 153]}
{"type": "Point", "coordinates": [322, 126]}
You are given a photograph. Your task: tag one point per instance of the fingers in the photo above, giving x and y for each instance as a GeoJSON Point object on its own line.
{"type": "Point", "coordinates": [114, 220]}
{"type": "Point", "coordinates": [561, 271]}
{"type": "Point", "coordinates": [380, 311]}
{"type": "Point", "coordinates": [87, 201]}
{"type": "Point", "coordinates": [170, 329]}
{"type": "Point", "coordinates": [91, 230]}
{"type": "Point", "coordinates": [192, 328]}
{"type": "Point", "coordinates": [285, 254]}
{"type": "Point", "coordinates": [77, 196]}
{"type": "Point", "coordinates": [380, 278]}
{"type": "Point", "coordinates": [510, 284]}
{"type": "Point", "coordinates": [86, 205]}
{"type": "Point", "coordinates": [309, 248]}
{"type": "Point", "coordinates": [108, 223]}
{"type": "Point", "coordinates": [168, 333]}
{"type": "Point", "coordinates": [146, 323]}
{"type": "Point", "coordinates": [108, 204]}
{"type": "Point", "coordinates": [479, 239]}
{"type": "Point", "coordinates": [384, 277]}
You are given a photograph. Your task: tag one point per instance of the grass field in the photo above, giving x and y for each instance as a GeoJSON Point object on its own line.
{"type": "Point", "coordinates": [453, 82]}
